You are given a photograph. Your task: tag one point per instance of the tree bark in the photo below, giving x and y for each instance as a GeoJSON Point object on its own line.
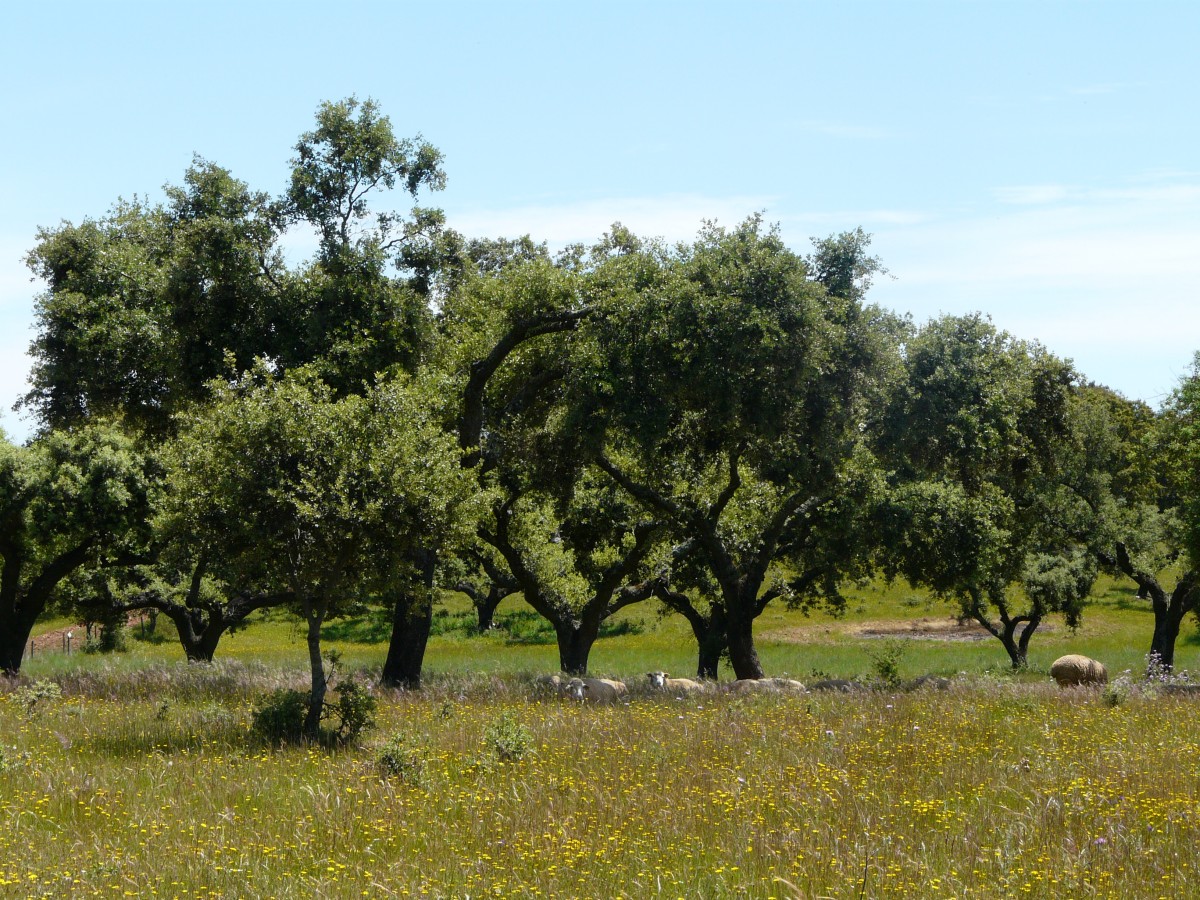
{"type": "Point", "coordinates": [485, 608]}
{"type": "Point", "coordinates": [201, 647]}
{"type": "Point", "coordinates": [1170, 608]}
{"type": "Point", "coordinates": [412, 620]}
{"type": "Point", "coordinates": [15, 629]}
{"type": "Point", "coordinates": [1017, 646]}
{"type": "Point", "coordinates": [743, 655]}
{"type": "Point", "coordinates": [709, 630]}
{"type": "Point", "coordinates": [575, 640]}
{"type": "Point", "coordinates": [314, 612]}
{"type": "Point", "coordinates": [1169, 612]}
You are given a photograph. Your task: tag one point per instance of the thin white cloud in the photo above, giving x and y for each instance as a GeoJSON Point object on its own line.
{"type": "Point", "coordinates": [1091, 90]}
{"type": "Point", "coordinates": [844, 130]}
{"type": "Point", "coordinates": [1024, 195]}
{"type": "Point", "coordinates": [1107, 275]}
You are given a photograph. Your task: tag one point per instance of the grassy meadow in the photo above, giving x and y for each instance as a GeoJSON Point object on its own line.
{"type": "Point", "coordinates": [143, 778]}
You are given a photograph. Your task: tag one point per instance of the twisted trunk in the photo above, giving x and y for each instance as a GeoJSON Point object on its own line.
{"type": "Point", "coordinates": [314, 613]}
{"type": "Point", "coordinates": [412, 620]}
{"type": "Point", "coordinates": [1170, 607]}
{"type": "Point", "coordinates": [709, 630]}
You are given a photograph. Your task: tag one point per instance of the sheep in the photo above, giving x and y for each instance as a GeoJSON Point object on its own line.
{"type": "Point", "coordinates": [766, 685]}
{"type": "Point", "coordinates": [595, 690]}
{"type": "Point", "coordinates": [934, 682]}
{"type": "Point", "coordinates": [1073, 670]}
{"type": "Point", "coordinates": [660, 681]}
{"type": "Point", "coordinates": [838, 685]}
{"type": "Point", "coordinates": [550, 684]}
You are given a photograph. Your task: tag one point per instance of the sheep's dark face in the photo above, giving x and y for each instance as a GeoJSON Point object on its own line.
{"type": "Point", "coordinates": [657, 679]}
{"type": "Point", "coordinates": [576, 689]}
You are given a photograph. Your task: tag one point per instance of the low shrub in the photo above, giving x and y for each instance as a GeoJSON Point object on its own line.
{"type": "Point", "coordinates": [400, 758]}
{"type": "Point", "coordinates": [39, 693]}
{"type": "Point", "coordinates": [279, 718]}
{"type": "Point", "coordinates": [508, 739]}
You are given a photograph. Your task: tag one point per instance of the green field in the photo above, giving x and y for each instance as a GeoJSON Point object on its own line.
{"type": "Point", "coordinates": [144, 778]}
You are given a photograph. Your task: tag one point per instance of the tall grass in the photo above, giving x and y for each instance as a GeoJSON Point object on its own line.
{"type": "Point", "coordinates": [989, 789]}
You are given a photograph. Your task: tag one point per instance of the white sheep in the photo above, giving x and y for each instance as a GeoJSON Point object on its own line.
{"type": "Point", "coordinates": [550, 684]}
{"type": "Point", "coordinates": [766, 685]}
{"type": "Point", "coordinates": [595, 690]}
{"type": "Point", "coordinates": [1073, 670]}
{"type": "Point", "coordinates": [660, 681]}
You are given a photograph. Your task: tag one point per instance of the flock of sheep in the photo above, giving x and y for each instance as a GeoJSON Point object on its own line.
{"type": "Point", "coordinates": [1068, 671]}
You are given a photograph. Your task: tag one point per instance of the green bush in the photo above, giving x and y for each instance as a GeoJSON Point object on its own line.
{"type": "Point", "coordinates": [508, 739]}
{"type": "Point", "coordinates": [279, 718]}
{"type": "Point", "coordinates": [353, 712]}
{"type": "Point", "coordinates": [886, 659]}
{"type": "Point", "coordinates": [39, 693]}
{"type": "Point", "coordinates": [399, 758]}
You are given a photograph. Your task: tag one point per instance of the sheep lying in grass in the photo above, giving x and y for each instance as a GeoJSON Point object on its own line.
{"type": "Point", "coordinates": [766, 685]}
{"type": "Point", "coordinates": [551, 684]}
{"type": "Point", "coordinates": [660, 681]}
{"type": "Point", "coordinates": [595, 690]}
{"type": "Point", "coordinates": [1074, 670]}
{"type": "Point", "coordinates": [837, 685]}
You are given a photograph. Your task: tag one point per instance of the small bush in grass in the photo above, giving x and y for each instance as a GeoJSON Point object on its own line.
{"type": "Point", "coordinates": [39, 693]}
{"type": "Point", "coordinates": [1116, 691]}
{"type": "Point", "coordinates": [399, 758]}
{"type": "Point", "coordinates": [886, 659]}
{"type": "Point", "coordinates": [279, 718]}
{"type": "Point", "coordinates": [353, 711]}
{"type": "Point", "coordinates": [508, 739]}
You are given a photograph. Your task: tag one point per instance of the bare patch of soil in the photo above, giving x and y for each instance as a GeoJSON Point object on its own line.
{"type": "Point", "coordinates": [942, 628]}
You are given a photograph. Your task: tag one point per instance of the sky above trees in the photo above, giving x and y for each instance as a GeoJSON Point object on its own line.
{"type": "Point", "coordinates": [1035, 161]}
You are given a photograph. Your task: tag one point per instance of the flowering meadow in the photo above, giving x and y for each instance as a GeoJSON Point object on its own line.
{"type": "Point", "coordinates": [149, 784]}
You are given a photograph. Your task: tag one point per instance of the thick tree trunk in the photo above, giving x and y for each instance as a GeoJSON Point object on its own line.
{"type": "Point", "coordinates": [14, 637]}
{"type": "Point", "coordinates": [711, 642]}
{"type": "Point", "coordinates": [575, 640]}
{"type": "Point", "coordinates": [742, 653]}
{"type": "Point", "coordinates": [412, 621]}
{"type": "Point", "coordinates": [202, 647]}
{"type": "Point", "coordinates": [1168, 616]}
{"type": "Point", "coordinates": [315, 614]}
{"type": "Point", "coordinates": [485, 608]}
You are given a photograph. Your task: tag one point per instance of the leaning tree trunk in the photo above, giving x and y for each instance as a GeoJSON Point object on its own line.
{"type": "Point", "coordinates": [711, 641]}
{"type": "Point", "coordinates": [15, 629]}
{"type": "Point", "coordinates": [709, 630]}
{"type": "Point", "coordinates": [315, 614]}
{"type": "Point", "coordinates": [412, 621]}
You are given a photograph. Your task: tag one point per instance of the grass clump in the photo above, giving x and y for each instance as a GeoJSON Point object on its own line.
{"type": "Point", "coordinates": [508, 739]}
{"type": "Point", "coordinates": [37, 694]}
{"type": "Point", "coordinates": [401, 759]}
{"type": "Point", "coordinates": [886, 660]}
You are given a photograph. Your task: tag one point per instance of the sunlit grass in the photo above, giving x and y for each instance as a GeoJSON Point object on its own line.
{"type": "Point", "coordinates": [990, 789]}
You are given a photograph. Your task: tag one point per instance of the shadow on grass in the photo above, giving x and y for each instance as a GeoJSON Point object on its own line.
{"type": "Point", "coordinates": [519, 627]}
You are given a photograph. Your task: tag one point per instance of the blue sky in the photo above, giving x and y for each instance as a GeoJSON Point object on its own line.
{"type": "Point", "coordinates": [1036, 161]}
